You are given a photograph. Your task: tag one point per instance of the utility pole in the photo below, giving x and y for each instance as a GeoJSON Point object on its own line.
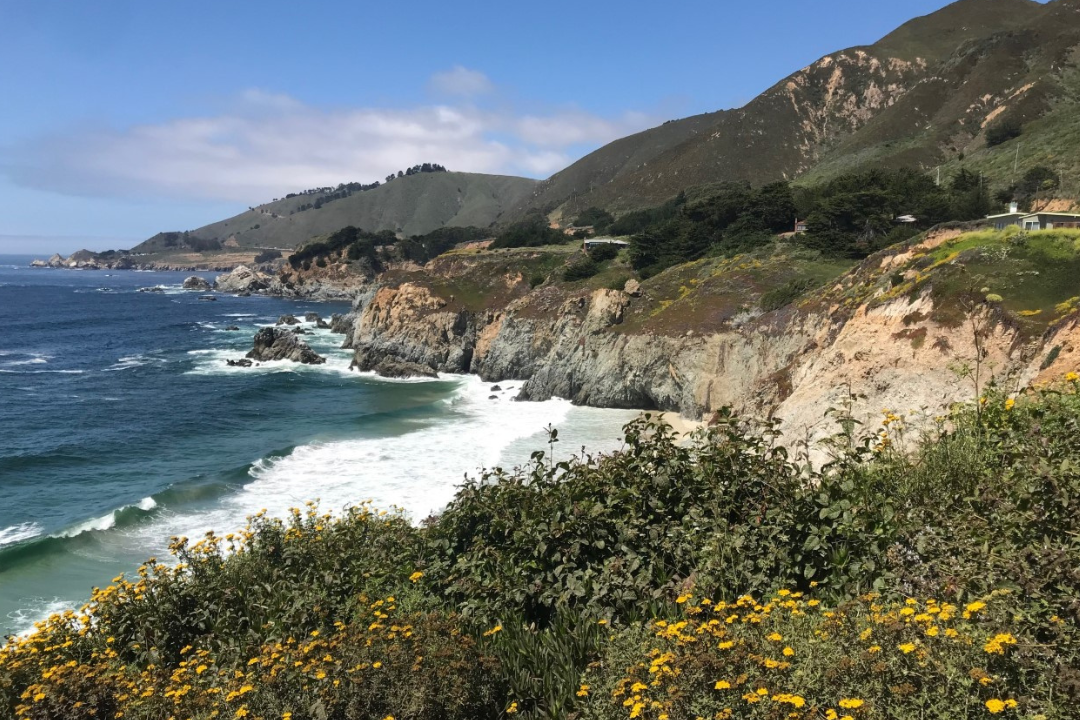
{"type": "Point", "coordinates": [1016, 160]}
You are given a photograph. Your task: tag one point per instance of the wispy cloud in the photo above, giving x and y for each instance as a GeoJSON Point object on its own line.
{"type": "Point", "coordinates": [267, 144]}
{"type": "Point", "coordinates": [461, 82]}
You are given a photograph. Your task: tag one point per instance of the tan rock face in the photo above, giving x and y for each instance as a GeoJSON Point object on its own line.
{"type": "Point", "coordinates": [889, 356]}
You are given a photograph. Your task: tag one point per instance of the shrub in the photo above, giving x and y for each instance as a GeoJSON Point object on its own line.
{"type": "Point", "coordinates": [1002, 131]}
{"type": "Point", "coordinates": [604, 252]}
{"type": "Point", "coordinates": [784, 295]}
{"type": "Point", "coordinates": [581, 268]}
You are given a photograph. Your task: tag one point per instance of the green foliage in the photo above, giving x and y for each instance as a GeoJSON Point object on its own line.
{"type": "Point", "coordinates": [598, 218]}
{"type": "Point", "coordinates": [534, 581]}
{"type": "Point", "coordinates": [266, 256]}
{"type": "Point", "coordinates": [533, 231]}
{"type": "Point", "coordinates": [421, 248]}
{"type": "Point", "coordinates": [785, 294]}
{"type": "Point", "coordinates": [855, 215]}
{"type": "Point", "coordinates": [604, 252]}
{"type": "Point", "coordinates": [581, 268]}
{"type": "Point", "coordinates": [1002, 131]}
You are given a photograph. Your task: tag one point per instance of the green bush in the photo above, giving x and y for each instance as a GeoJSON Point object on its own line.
{"type": "Point", "coordinates": [580, 587]}
{"type": "Point", "coordinates": [581, 268]}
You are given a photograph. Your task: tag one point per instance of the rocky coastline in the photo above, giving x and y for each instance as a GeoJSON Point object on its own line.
{"type": "Point", "coordinates": [791, 365]}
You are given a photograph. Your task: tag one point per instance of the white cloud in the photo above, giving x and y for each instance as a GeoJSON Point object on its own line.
{"type": "Point", "coordinates": [268, 144]}
{"type": "Point", "coordinates": [461, 82]}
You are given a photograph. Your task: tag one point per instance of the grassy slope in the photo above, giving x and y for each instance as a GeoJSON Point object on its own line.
{"type": "Point", "coordinates": [410, 205]}
{"type": "Point", "coordinates": [784, 132]}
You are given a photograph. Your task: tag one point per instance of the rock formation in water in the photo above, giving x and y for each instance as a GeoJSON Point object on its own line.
{"type": "Point", "coordinates": [274, 343]}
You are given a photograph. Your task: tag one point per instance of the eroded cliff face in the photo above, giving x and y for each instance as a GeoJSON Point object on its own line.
{"type": "Point", "coordinates": [793, 364]}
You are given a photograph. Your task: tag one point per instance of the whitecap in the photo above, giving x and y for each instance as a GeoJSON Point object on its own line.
{"type": "Point", "coordinates": [18, 533]}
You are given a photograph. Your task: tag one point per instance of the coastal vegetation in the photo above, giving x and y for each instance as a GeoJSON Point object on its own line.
{"type": "Point", "coordinates": [724, 577]}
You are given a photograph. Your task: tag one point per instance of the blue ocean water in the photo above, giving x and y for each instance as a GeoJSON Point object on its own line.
{"type": "Point", "coordinates": [123, 427]}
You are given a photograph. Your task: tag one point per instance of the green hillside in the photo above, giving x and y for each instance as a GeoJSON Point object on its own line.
{"type": "Point", "coordinates": [411, 205]}
{"type": "Point", "coordinates": [922, 96]}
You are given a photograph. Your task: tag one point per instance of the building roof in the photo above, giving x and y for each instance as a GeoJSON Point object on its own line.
{"type": "Point", "coordinates": [1007, 215]}
{"type": "Point", "coordinates": [1052, 214]}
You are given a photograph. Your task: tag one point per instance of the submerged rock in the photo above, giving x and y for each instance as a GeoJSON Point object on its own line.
{"type": "Point", "coordinates": [232, 328]}
{"type": "Point", "coordinates": [312, 317]}
{"type": "Point", "coordinates": [287, 320]}
{"type": "Point", "coordinates": [393, 368]}
{"type": "Point", "coordinates": [155, 288]}
{"type": "Point", "coordinates": [197, 283]}
{"type": "Point", "coordinates": [208, 298]}
{"type": "Point", "coordinates": [272, 343]}
{"type": "Point", "coordinates": [242, 362]}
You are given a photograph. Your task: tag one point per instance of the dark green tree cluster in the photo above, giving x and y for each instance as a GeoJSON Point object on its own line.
{"type": "Point", "coordinates": [735, 218]}
{"type": "Point", "coordinates": [1002, 132]}
{"type": "Point", "coordinates": [596, 218]}
{"type": "Point", "coordinates": [421, 248]}
{"type": "Point", "coordinates": [267, 256]}
{"type": "Point", "coordinates": [856, 214]}
{"type": "Point", "coordinates": [1038, 182]}
{"type": "Point", "coordinates": [533, 231]}
{"type": "Point", "coordinates": [354, 243]}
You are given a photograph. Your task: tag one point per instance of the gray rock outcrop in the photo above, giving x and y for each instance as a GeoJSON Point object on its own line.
{"type": "Point", "coordinates": [273, 343]}
{"type": "Point", "coordinates": [288, 320]}
{"type": "Point", "coordinates": [242, 279]}
{"type": "Point", "coordinates": [197, 283]}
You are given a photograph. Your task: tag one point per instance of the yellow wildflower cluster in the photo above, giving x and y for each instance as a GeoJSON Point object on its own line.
{"type": "Point", "coordinates": [785, 656]}
{"type": "Point", "coordinates": [117, 657]}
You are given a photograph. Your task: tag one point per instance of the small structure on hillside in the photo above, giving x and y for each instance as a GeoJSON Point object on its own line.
{"type": "Point", "coordinates": [800, 226]}
{"type": "Point", "coordinates": [1050, 221]}
{"type": "Point", "coordinates": [1004, 220]}
{"type": "Point", "coordinates": [589, 244]}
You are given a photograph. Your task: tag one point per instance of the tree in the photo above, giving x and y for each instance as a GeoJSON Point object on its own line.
{"type": "Point", "coordinates": [1002, 132]}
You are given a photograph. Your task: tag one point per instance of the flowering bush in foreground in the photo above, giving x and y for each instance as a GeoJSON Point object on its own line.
{"type": "Point", "coordinates": [787, 656]}
{"type": "Point", "coordinates": [934, 584]}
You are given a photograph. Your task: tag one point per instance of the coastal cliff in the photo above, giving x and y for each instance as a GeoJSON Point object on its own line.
{"type": "Point", "coordinates": [885, 334]}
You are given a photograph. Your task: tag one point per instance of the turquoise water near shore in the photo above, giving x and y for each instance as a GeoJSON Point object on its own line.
{"type": "Point", "coordinates": [123, 427]}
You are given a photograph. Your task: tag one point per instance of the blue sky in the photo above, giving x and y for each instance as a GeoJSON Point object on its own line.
{"type": "Point", "coordinates": [123, 118]}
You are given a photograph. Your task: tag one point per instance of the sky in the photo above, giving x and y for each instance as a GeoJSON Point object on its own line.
{"type": "Point", "coordinates": [122, 118]}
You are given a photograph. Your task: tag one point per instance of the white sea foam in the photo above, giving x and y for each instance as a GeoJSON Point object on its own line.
{"type": "Point", "coordinates": [39, 609]}
{"type": "Point", "coordinates": [134, 361]}
{"type": "Point", "coordinates": [18, 533]}
{"type": "Point", "coordinates": [418, 471]}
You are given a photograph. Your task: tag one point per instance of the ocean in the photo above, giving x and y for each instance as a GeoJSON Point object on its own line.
{"type": "Point", "coordinates": [123, 426]}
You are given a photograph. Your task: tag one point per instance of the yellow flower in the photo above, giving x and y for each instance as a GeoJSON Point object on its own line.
{"type": "Point", "coordinates": [242, 712]}
{"type": "Point", "coordinates": [873, 649]}
{"type": "Point", "coordinates": [509, 711]}
{"type": "Point", "coordinates": [1071, 377]}
{"type": "Point", "coordinates": [975, 606]}
{"type": "Point", "coordinates": [907, 648]}
{"type": "Point", "coordinates": [682, 598]}
{"type": "Point", "coordinates": [1009, 404]}
{"type": "Point", "coordinates": [726, 645]}
{"type": "Point", "coordinates": [583, 691]}
{"type": "Point", "coordinates": [851, 703]}
{"type": "Point", "coordinates": [788, 652]}
{"type": "Point", "coordinates": [492, 631]}
{"type": "Point", "coordinates": [416, 576]}
{"type": "Point", "coordinates": [376, 664]}
{"type": "Point", "coordinates": [996, 645]}
{"type": "Point", "coordinates": [995, 706]}
{"type": "Point", "coordinates": [722, 685]}
{"type": "Point", "coordinates": [774, 636]}
{"type": "Point", "coordinates": [831, 714]}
